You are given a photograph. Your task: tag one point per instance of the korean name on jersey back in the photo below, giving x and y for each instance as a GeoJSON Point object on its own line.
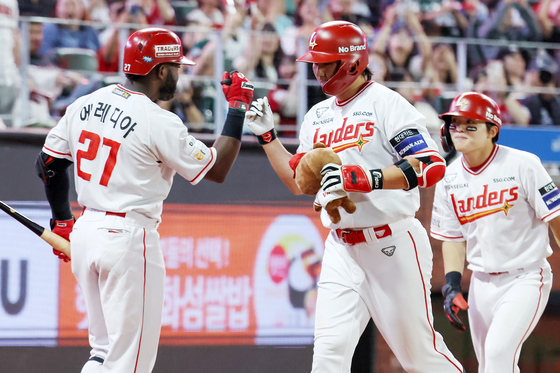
{"type": "Point", "coordinates": [408, 142]}
{"type": "Point", "coordinates": [550, 195]}
{"type": "Point", "coordinates": [109, 114]}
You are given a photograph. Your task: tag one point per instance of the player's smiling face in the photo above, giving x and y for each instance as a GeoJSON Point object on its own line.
{"type": "Point", "coordinates": [324, 71]}
{"type": "Point", "coordinates": [469, 134]}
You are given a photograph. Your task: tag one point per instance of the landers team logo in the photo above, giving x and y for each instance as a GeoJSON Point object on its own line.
{"type": "Point", "coordinates": [461, 104]}
{"type": "Point", "coordinates": [474, 208]}
{"type": "Point", "coordinates": [347, 136]}
{"type": "Point", "coordinates": [173, 50]}
{"type": "Point", "coordinates": [312, 41]}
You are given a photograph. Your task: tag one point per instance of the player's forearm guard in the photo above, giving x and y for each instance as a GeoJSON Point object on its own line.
{"type": "Point", "coordinates": [432, 169]}
{"type": "Point", "coordinates": [408, 172]}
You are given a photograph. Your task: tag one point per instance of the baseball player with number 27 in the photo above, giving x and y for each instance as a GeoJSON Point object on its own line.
{"type": "Point", "coordinates": [378, 261]}
{"type": "Point", "coordinates": [494, 207]}
{"type": "Point", "coordinates": [126, 151]}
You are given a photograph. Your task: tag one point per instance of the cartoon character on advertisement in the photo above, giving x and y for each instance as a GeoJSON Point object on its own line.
{"type": "Point", "coordinates": [287, 269]}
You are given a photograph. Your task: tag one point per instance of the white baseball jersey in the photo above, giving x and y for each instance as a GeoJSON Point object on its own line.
{"type": "Point", "coordinates": [376, 128]}
{"type": "Point", "coordinates": [126, 150]}
{"type": "Point", "coordinates": [360, 131]}
{"type": "Point", "coordinates": [500, 210]}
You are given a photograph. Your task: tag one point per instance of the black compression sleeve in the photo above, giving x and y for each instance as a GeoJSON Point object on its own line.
{"type": "Point", "coordinates": [57, 186]}
{"type": "Point", "coordinates": [57, 194]}
{"type": "Point", "coordinates": [233, 127]}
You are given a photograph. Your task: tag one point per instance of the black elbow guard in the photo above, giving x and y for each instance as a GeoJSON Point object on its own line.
{"type": "Point", "coordinates": [47, 166]}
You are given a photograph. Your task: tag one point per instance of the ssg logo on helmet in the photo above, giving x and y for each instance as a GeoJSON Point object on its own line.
{"type": "Point", "coordinates": [173, 50]}
{"type": "Point", "coordinates": [352, 48]}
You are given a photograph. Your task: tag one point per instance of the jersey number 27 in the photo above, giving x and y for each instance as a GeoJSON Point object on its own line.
{"type": "Point", "coordinates": [91, 153]}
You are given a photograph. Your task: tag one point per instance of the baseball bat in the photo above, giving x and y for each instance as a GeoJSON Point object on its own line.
{"type": "Point", "coordinates": [51, 238]}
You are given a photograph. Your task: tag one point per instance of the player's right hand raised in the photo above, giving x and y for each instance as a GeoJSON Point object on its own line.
{"type": "Point", "coordinates": [259, 117]}
{"type": "Point", "coordinates": [63, 229]}
{"type": "Point", "coordinates": [452, 303]}
{"type": "Point", "coordinates": [237, 89]}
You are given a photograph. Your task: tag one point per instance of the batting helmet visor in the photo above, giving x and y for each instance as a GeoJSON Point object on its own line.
{"type": "Point", "coordinates": [149, 47]}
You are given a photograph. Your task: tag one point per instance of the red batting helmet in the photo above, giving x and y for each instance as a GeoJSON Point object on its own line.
{"type": "Point", "coordinates": [149, 47]}
{"type": "Point", "coordinates": [339, 41]}
{"type": "Point", "coordinates": [471, 105]}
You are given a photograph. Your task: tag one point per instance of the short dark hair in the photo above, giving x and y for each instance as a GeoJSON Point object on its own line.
{"type": "Point", "coordinates": [134, 77]}
{"type": "Point", "coordinates": [367, 74]}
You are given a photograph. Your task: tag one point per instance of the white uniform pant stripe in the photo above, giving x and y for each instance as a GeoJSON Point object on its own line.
{"type": "Point", "coordinates": [504, 310]}
{"type": "Point", "coordinates": [143, 304]}
{"type": "Point", "coordinates": [428, 308]}
{"type": "Point", "coordinates": [534, 320]}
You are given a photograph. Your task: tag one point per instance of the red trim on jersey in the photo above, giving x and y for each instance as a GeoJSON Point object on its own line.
{"type": "Point", "coordinates": [201, 171]}
{"type": "Point", "coordinates": [353, 97]}
{"type": "Point", "coordinates": [129, 91]}
{"type": "Point", "coordinates": [426, 300]}
{"type": "Point", "coordinates": [430, 151]}
{"type": "Point", "coordinates": [534, 316]}
{"type": "Point", "coordinates": [54, 151]}
{"type": "Point", "coordinates": [143, 303]}
{"type": "Point", "coordinates": [482, 167]}
{"type": "Point", "coordinates": [442, 236]}
{"type": "Point", "coordinates": [553, 212]}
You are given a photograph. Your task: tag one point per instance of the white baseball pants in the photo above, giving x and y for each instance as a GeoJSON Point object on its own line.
{"type": "Point", "coordinates": [503, 311]}
{"type": "Point", "coordinates": [119, 266]}
{"type": "Point", "coordinates": [388, 281]}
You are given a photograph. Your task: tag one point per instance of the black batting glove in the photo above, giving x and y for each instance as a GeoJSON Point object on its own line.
{"type": "Point", "coordinates": [454, 300]}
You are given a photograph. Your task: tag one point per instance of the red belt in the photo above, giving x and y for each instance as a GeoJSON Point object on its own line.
{"type": "Point", "coordinates": [353, 237]}
{"type": "Point", "coordinates": [120, 214]}
{"type": "Point", "coordinates": [497, 273]}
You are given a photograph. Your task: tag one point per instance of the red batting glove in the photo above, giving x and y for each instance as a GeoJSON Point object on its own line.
{"type": "Point", "coordinates": [63, 229]}
{"type": "Point", "coordinates": [238, 90]}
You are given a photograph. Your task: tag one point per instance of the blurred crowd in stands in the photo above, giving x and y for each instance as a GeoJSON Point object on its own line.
{"type": "Point", "coordinates": [263, 38]}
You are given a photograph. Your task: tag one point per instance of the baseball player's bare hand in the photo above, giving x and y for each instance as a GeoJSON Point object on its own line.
{"type": "Point", "coordinates": [452, 303]}
{"type": "Point", "coordinates": [259, 117]}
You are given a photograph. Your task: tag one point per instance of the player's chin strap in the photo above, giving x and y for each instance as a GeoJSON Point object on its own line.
{"type": "Point", "coordinates": [432, 169]}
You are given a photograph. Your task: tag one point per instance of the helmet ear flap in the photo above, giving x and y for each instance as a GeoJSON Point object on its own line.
{"type": "Point", "coordinates": [354, 69]}
{"type": "Point", "coordinates": [446, 142]}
